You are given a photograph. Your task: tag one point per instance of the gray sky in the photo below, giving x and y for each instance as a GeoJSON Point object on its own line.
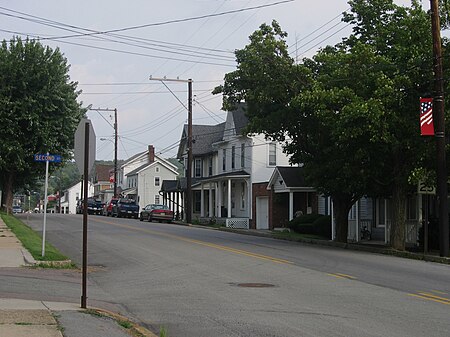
{"type": "Point", "coordinates": [115, 73]}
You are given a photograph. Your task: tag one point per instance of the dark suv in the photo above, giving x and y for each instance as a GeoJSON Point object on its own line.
{"type": "Point", "coordinates": [126, 208]}
{"type": "Point", "coordinates": [94, 206]}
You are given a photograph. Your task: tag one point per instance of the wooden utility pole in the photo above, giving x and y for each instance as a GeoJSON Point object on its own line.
{"type": "Point", "coordinates": [439, 122]}
{"type": "Point", "coordinates": [188, 196]}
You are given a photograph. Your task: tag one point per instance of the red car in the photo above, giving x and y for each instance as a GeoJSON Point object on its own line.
{"type": "Point", "coordinates": [156, 212]}
{"type": "Point", "coordinates": [107, 210]}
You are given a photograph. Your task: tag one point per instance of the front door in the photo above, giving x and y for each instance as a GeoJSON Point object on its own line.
{"type": "Point", "coordinates": [262, 213]}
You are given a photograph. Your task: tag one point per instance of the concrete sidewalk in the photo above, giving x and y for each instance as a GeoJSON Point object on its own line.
{"type": "Point", "coordinates": [28, 318]}
{"type": "Point", "coordinates": [12, 253]}
{"type": "Point", "coordinates": [24, 318]}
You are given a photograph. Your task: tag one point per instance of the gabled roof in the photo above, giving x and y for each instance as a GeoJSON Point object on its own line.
{"type": "Point", "coordinates": [159, 160]}
{"type": "Point", "coordinates": [202, 138]}
{"type": "Point", "coordinates": [292, 177]}
{"type": "Point", "coordinates": [132, 158]}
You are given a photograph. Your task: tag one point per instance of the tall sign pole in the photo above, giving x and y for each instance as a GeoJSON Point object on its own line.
{"type": "Point", "coordinates": [439, 120]}
{"type": "Point", "coordinates": [85, 217]}
{"type": "Point", "coordinates": [188, 196]}
{"type": "Point", "coordinates": [84, 154]}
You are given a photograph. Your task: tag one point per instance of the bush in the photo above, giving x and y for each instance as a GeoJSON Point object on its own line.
{"type": "Point", "coordinates": [307, 218]}
{"type": "Point", "coordinates": [322, 226]}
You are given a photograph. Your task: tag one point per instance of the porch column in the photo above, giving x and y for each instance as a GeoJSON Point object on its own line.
{"type": "Point", "coordinates": [229, 199]}
{"type": "Point", "coordinates": [291, 206]}
{"type": "Point", "coordinates": [178, 205]}
{"type": "Point", "coordinates": [357, 222]}
{"type": "Point", "coordinates": [210, 205]}
{"type": "Point", "coordinates": [333, 225]}
{"type": "Point", "coordinates": [386, 238]}
{"type": "Point", "coordinates": [219, 199]}
{"type": "Point", "coordinates": [249, 199]}
{"type": "Point", "coordinates": [202, 202]}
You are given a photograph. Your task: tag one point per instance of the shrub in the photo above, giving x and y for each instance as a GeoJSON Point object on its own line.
{"type": "Point", "coordinates": [322, 226]}
{"type": "Point", "coordinates": [307, 218]}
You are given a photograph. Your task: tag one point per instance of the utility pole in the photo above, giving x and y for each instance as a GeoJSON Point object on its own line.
{"type": "Point", "coordinates": [116, 136]}
{"type": "Point", "coordinates": [439, 121]}
{"type": "Point", "coordinates": [188, 197]}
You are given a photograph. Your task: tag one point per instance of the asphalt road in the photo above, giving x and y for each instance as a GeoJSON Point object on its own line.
{"type": "Point", "coordinates": [201, 282]}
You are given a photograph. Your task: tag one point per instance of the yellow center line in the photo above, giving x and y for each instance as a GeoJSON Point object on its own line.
{"type": "Point", "coordinates": [334, 275]}
{"type": "Point", "coordinates": [346, 276]}
{"type": "Point", "coordinates": [435, 297]}
{"type": "Point", "coordinates": [202, 243]}
{"type": "Point", "coordinates": [342, 276]}
{"type": "Point", "coordinates": [429, 299]}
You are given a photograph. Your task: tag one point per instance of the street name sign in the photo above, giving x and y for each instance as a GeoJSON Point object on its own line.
{"type": "Point", "coordinates": [54, 158]}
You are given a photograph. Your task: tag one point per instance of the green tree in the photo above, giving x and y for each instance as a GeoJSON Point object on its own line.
{"type": "Point", "coordinates": [39, 111]}
{"type": "Point", "coordinates": [350, 114]}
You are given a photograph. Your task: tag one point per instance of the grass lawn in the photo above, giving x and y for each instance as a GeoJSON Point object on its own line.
{"type": "Point", "coordinates": [31, 240]}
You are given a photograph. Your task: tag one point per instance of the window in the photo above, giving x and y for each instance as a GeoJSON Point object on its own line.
{"type": "Point", "coordinates": [157, 169]}
{"type": "Point", "coordinates": [156, 181]}
{"type": "Point", "coordinates": [198, 167]}
{"type": "Point", "coordinates": [272, 154]}
{"type": "Point", "coordinates": [210, 166]}
{"type": "Point", "coordinates": [224, 159]}
{"type": "Point", "coordinates": [243, 155]}
{"type": "Point", "coordinates": [156, 199]}
{"type": "Point", "coordinates": [233, 157]}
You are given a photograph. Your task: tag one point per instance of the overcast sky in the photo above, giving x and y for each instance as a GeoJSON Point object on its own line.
{"type": "Point", "coordinates": [113, 70]}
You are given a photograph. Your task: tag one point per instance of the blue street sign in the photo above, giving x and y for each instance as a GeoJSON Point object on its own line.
{"type": "Point", "coordinates": [55, 158]}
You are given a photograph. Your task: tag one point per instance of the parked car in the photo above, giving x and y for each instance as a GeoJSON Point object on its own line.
{"type": "Point", "coordinates": [126, 208]}
{"type": "Point", "coordinates": [17, 209]}
{"type": "Point", "coordinates": [156, 212]}
{"type": "Point", "coordinates": [107, 209]}
{"type": "Point", "coordinates": [94, 206]}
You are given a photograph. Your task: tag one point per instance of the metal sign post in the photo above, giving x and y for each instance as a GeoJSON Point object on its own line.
{"type": "Point", "coordinates": [46, 158]}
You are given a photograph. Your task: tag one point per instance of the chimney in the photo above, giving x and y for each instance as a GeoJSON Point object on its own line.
{"type": "Point", "coordinates": [151, 154]}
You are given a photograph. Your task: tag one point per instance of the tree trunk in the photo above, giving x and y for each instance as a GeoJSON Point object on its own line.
{"type": "Point", "coordinates": [398, 225]}
{"type": "Point", "coordinates": [341, 207]}
{"type": "Point", "coordinates": [7, 192]}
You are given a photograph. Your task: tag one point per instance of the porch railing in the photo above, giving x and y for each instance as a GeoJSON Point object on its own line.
{"type": "Point", "coordinates": [241, 223]}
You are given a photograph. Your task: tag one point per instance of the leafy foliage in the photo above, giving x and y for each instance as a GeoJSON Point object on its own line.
{"type": "Point", "coordinates": [349, 114]}
{"type": "Point", "coordinates": [38, 109]}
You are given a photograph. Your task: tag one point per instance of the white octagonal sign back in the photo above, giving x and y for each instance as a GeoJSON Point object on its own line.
{"type": "Point", "coordinates": [79, 145]}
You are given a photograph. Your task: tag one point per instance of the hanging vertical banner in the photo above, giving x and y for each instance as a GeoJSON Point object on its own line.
{"type": "Point", "coordinates": [426, 117]}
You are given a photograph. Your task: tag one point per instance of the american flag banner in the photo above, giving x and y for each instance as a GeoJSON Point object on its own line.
{"type": "Point", "coordinates": [426, 117]}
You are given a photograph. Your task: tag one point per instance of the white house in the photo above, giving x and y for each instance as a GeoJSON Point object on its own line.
{"type": "Point", "coordinates": [131, 164]}
{"type": "Point", "coordinates": [231, 172]}
{"type": "Point", "coordinates": [72, 195]}
{"type": "Point", "coordinates": [146, 180]}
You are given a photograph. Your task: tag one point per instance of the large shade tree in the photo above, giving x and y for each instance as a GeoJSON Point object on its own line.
{"type": "Point", "coordinates": [349, 114]}
{"type": "Point", "coordinates": [39, 111]}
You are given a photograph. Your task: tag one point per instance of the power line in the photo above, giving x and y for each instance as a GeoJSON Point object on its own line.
{"type": "Point", "coordinates": [240, 10]}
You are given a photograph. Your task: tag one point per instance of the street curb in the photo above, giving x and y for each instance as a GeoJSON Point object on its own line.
{"type": "Point", "coordinates": [136, 329]}
{"type": "Point", "coordinates": [326, 243]}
